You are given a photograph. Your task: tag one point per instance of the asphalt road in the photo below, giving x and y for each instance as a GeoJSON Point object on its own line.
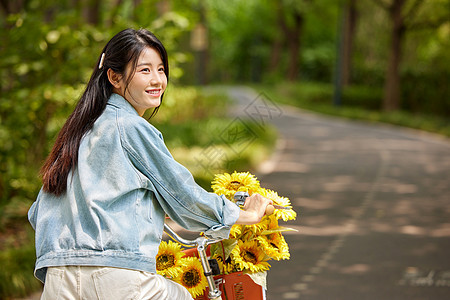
{"type": "Point", "coordinates": [373, 203]}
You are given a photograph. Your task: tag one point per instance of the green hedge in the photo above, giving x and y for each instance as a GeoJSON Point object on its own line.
{"type": "Point", "coordinates": [426, 92]}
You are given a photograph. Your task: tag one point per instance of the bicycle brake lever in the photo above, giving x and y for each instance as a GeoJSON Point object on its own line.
{"type": "Point", "coordinates": [240, 198]}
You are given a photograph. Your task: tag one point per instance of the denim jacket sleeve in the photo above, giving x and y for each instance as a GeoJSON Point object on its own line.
{"type": "Point", "coordinates": [182, 199]}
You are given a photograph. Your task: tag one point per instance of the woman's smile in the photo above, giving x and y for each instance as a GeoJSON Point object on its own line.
{"type": "Point", "coordinates": [154, 92]}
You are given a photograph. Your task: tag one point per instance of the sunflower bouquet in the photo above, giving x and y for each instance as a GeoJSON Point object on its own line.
{"type": "Point", "coordinates": [249, 247]}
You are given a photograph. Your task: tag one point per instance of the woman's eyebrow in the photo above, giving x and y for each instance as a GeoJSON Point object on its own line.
{"type": "Point", "coordinates": [148, 64]}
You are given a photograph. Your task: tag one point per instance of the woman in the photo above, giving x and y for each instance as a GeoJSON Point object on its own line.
{"type": "Point", "coordinates": [109, 181]}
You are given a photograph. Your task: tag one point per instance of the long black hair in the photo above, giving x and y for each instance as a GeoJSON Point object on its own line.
{"type": "Point", "coordinates": [123, 49]}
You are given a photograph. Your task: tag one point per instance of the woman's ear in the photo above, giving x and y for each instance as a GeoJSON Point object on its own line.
{"type": "Point", "coordinates": [114, 78]}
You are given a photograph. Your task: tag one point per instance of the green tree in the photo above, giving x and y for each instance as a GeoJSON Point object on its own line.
{"type": "Point", "coordinates": [46, 56]}
{"type": "Point", "coordinates": [405, 16]}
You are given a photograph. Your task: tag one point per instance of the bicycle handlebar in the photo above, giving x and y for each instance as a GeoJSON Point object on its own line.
{"type": "Point", "coordinates": [201, 242]}
{"type": "Point", "coordinates": [205, 241]}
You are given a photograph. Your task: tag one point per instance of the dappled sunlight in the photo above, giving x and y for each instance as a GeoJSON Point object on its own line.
{"type": "Point", "coordinates": [424, 249]}
{"type": "Point", "coordinates": [413, 230]}
{"type": "Point", "coordinates": [399, 188]}
{"type": "Point", "coordinates": [403, 226]}
{"type": "Point", "coordinates": [403, 207]}
{"type": "Point", "coordinates": [293, 167]}
{"type": "Point", "coordinates": [313, 203]}
{"type": "Point", "coordinates": [442, 230]}
{"type": "Point", "coordinates": [320, 131]}
{"type": "Point", "coordinates": [372, 144]}
{"type": "Point", "coordinates": [339, 184]}
{"type": "Point", "coordinates": [355, 269]}
{"type": "Point", "coordinates": [345, 183]}
{"type": "Point", "coordinates": [316, 231]}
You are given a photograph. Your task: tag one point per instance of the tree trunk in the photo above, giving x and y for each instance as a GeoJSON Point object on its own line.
{"type": "Point", "coordinates": [275, 55]}
{"type": "Point", "coordinates": [294, 56]}
{"type": "Point", "coordinates": [349, 36]}
{"type": "Point", "coordinates": [391, 100]}
{"type": "Point", "coordinates": [292, 35]}
{"type": "Point", "coordinates": [163, 6]}
{"type": "Point", "coordinates": [91, 11]}
{"type": "Point", "coordinates": [114, 12]}
{"type": "Point", "coordinates": [12, 7]}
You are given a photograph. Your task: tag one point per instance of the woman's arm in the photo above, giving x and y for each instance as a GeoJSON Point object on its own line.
{"type": "Point", "coordinates": [254, 210]}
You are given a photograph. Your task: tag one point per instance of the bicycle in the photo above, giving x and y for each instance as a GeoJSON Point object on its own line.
{"type": "Point", "coordinates": [236, 286]}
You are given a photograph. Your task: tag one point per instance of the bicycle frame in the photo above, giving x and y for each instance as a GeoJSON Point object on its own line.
{"type": "Point", "coordinates": [201, 243]}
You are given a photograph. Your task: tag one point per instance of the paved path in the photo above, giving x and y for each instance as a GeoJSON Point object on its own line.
{"type": "Point", "coordinates": [374, 205]}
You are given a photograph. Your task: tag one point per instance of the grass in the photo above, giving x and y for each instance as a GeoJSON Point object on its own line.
{"type": "Point", "coordinates": [358, 103]}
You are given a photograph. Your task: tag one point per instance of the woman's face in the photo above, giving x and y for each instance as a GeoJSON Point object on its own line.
{"type": "Point", "coordinates": [147, 84]}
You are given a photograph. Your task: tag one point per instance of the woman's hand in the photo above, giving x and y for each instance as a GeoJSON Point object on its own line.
{"type": "Point", "coordinates": [254, 209]}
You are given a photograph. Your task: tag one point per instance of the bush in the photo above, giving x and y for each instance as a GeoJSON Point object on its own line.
{"type": "Point", "coordinates": [362, 96]}
{"type": "Point", "coordinates": [426, 92]}
{"type": "Point", "coordinates": [16, 273]}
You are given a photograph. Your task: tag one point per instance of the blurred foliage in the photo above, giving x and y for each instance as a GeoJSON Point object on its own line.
{"type": "Point", "coordinates": [244, 33]}
{"type": "Point", "coordinates": [204, 139]}
{"type": "Point", "coordinates": [16, 274]}
{"type": "Point", "coordinates": [49, 48]}
{"type": "Point", "coordinates": [244, 37]}
{"type": "Point", "coordinates": [46, 58]}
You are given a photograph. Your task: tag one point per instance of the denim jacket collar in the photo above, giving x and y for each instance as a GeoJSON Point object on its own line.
{"type": "Point", "coordinates": [120, 102]}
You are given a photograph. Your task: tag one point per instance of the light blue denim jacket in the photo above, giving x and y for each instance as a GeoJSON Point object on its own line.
{"type": "Point", "coordinates": [114, 209]}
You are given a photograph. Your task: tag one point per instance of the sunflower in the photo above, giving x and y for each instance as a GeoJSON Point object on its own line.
{"type": "Point", "coordinates": [191, 276]}
{"type": "Point", "coordinates": [228, 184]}
{"type": "Point", "coordinates": [258, 227]}
{"type": "Point", "coordinates": [274, 245]}
{"type": "Point", "coordinates": [219, 259]}
{"type": "Point", "coordinates": [285, 214]}
{"type": "Point", "coordinates": [168, 258]}
{"type": "Point", "coordinates": [236, 231]}
{"type": "Point", "coordinates": [248, 256]}
{"type": "Point", "coordinates": [271, 222]}
{"type": "Point", "coordinates": [229, 266]}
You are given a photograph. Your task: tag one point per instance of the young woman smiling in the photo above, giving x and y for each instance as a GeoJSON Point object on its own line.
{"type": "Point", "coordinates": [109, 181]}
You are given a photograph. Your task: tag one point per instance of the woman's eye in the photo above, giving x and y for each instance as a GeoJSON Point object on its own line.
{"type": "Point", "coordinates": [145, 70]}
{"type": "Point", "coordinates": [161, 69]}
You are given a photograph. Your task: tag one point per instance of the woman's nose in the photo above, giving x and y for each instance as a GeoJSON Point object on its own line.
{"type": "Point", "coordinates": [156, 79]}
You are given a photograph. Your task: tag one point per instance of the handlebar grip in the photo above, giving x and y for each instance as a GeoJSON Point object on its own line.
{"type": "Point", "coordinates": [269, 209]}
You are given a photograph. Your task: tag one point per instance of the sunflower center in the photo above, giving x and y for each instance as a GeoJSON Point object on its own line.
{"type": "Point", "coordinates": [191, 278]}
{"type": "Point", "coordinates": [165, 261]}
{"type": "Point", "coordinates": [274, 245]}
{"type": "Point", "coordinates": [235, 185]}
{"type": "Point", "coordinates": [250, 257]}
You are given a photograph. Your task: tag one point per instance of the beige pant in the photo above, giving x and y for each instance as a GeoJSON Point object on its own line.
{"type": "Point", "coordinates": [103, 283]}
